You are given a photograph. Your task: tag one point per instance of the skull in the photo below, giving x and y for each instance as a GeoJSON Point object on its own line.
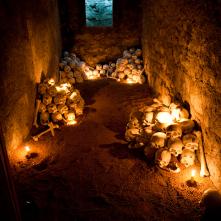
{"type": "Point", "coordinates": [42, 108]}
{"type": "Point", "coordinates": [56, 117]}
{"type": "Point", "coordinates": [184, 113]}
{"type": "Point", "coordinates": [60, 99]}
{"type": "Point", "coordinates": [105, 67]}
{"type": "Point", "coordinates": [52, 91]}
{"type": "Point", "coordinates": [42, 88]}
{"type": "Point", "coordinates": [66, 53]}
{"type": "Point", "coordinates": [71, 80]}
{"type": "Point", "coordinates": [137, 61]}
{"type": "Point", "coordinates": [47, 99]}
{"type": "Point", "coordinates": [131, 134]}
{"type": "Point", "coordinates": [187, 157]}
{"type": "Point", "coordinates": [99, 67]}
{"type": "Point", "coordinates": [44, 118]}
{"type": "Point", "coordinates": [67, 68]}
{"type": "Point", "coordinates": [187, 125]}
{"type": "Point", "coordinates": [148, 117]}
{"type": "Point", "coordinates": [174, 131]}
{"type": "Point", "coordinates": [138, 52]}
{"type": "Point", "coordinates": [127, 71]}
{"type": "Point", "coordinates": [126, 54]}
{"type": "Point", "coordinates": [52, 108]}
{"type": "Point", "coordinates": [158, 140]}
{"type": "Point", "coordinates": [62, 109]}
{"type": "Point", "coordinates": [190, 142]}
{"type": "Point", "coordinates": [162, 157]}
{"type": "Point", "coordinates": [132, 50]}
{"type": "Point", "coordinates": [134, 57]}
{"type": "Point", "coordinates": [175, 146]}
{"type": "Point", "coordinates": [70, 74]}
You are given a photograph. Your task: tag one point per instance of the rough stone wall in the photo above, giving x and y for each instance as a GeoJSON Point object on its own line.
{"type": "Point", "coordinates": [100, 44]}
{"type": "Point", "coordinates": [182, 52]}
{"type": "Point", "coordinates": [30, 46]}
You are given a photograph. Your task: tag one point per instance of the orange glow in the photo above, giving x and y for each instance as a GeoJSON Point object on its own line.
{"type": "Point", "coordinates": [175, 114]}
{"type": "Point", "coordinates": [27, 148]}
{"type": "Point", "coordinates": [72, 122]}
{"type": "Point", "coordinates": [193, 173]}
{"type": "Point", "coordinates": [164, 118]}
{"type": "Point", "coordinates": [51, 82]}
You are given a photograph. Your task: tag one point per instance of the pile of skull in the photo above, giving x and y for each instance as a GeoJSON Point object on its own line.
{"type": "Point", "coordinates": [166, 133]}
{"type": "Point", "coordinates": [128, 69]}
{"type": "Point", "coordinates": [57, 103]}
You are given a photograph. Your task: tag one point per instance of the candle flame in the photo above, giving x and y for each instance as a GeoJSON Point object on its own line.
{"type": "Point", "coordinates": [193, 173]}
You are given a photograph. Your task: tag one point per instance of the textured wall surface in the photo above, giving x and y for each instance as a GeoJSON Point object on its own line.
{"type": "Point", "coordinates": [29, 47]}
{"type": "Point", "coordinates": [182, 53]}
{"type": "Point", "coordinates": [100, 44]}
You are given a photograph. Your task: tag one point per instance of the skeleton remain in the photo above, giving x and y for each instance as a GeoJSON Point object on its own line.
{"type": "Point", "coordinates": [187, 157]}
{"type": "Point", "coordinates": [158, 140]}
{"type": "Point", "coordinates": [162, 157]}
{"type": "Point", "coordinates": [50, 129]}
{"type": "Point", "coordinates": [175, 146]}
{"type": "Point", "coordinates": [190, 142]}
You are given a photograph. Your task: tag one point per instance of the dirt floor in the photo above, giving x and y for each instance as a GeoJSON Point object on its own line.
{"type": "Point", "coordinates": [87, 173]}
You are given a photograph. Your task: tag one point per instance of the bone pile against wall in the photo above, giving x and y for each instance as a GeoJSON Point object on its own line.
{"type": "Point", "coordinates": [166, 134]}
{"type": "Point", "coordinates": [127, 69]}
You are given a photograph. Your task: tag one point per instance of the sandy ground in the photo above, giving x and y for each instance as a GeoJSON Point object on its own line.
{"type": "Point", "coordinates": [87, 173]}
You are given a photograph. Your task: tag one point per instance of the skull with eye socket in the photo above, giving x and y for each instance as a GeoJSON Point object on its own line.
{"type": "Point", "coordinates": [174, 131]}
{"type": "Point", "coordinates": [175, 146]}
{"type": "Point", "coordinates": [162, 157]}
{"type": "Point", "coordinates": [190, 142]}
{"type": "Point", "coordinates": [187, 158]}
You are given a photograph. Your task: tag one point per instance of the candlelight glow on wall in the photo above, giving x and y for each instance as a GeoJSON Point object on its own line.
{"type": "Point", "coordinates": [99, 12]}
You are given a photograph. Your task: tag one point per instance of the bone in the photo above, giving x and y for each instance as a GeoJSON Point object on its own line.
{"type": "Point", "coordinates": [36, 113]}
{"type": "Point", "coordinates": [203, 165]}
{"type": "Point", "coordinates": [51, 128]}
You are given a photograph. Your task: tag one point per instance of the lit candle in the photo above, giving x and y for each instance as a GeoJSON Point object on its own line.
{"type": "Point", "coordinates": [193, 173]}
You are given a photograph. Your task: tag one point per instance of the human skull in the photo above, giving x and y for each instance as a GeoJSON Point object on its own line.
{"type": "Point", "coordinates": [60, 99]}
{"type": "Point", "coordinates": [47, 99]}
{"type": "Point", "coordinates": [158, 140]}
{"type": "Point", "coordinates": [190, 142]}
{"type": "Point", "coordinates": [66, 53]}
{"type": "Point", "coordinates": [62, 74]}
{"type": "Point", "coordinates": [62, 109]}
{"type": "Point", "coordinates": [56, 117]}
{"type": "Point", "coordinates": [137, 61]}
{"type": "Point", "coordinates": [52, 91]}
{"type": "Point", "coordinates": [42, 108]}
{"type": "Point", "coordinates": [187, 157]}
{"type": "Point", "coordinates": [131, 134]}
{"type": "Point", "coordinates": [148, 117]}
{"type": "Point", "coordinates": [174, 131]}
{"type": "Point", "coordinates": [99, 67]}
{"type": "Point", "coordinates": [138, 52]}
{"type": "Point", "coordinates": [70, 74]}
{"type": "Point", "coordinates": [187, 125]}
{"type": "Point", "coordinates": [42, 88]}
{"type": "Point", "coordinates": [44, 118]}
{"type": "Point", "coordinates": [175, 146]}
{"type": "Point", "coordinates": [184, 113]}
{"type": "Point", "coordinates": [105, 67]}
{"type": "Point", "coordinates": [52, 108]}
{"type": "Point", "coordinates": [126, 54]}
{"type": "Point", "coordinates": [162, 157]}
{"type": "Point", "coordinates": [67, 68]}
{"type": "Point", "coordinates": [127, 71]}
{"type": "Point", "coordinates": [71, 80]}
{"type": "Point", "coordinates": [132, 50]}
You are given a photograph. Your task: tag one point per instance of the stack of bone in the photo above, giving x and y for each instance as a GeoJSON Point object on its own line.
{"type": "Point", "coordinates": [57, 103]}
{"type": "Point", "coordinates": [129, 68]}
{"type": "Point", "coordinates": [167, 134]}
